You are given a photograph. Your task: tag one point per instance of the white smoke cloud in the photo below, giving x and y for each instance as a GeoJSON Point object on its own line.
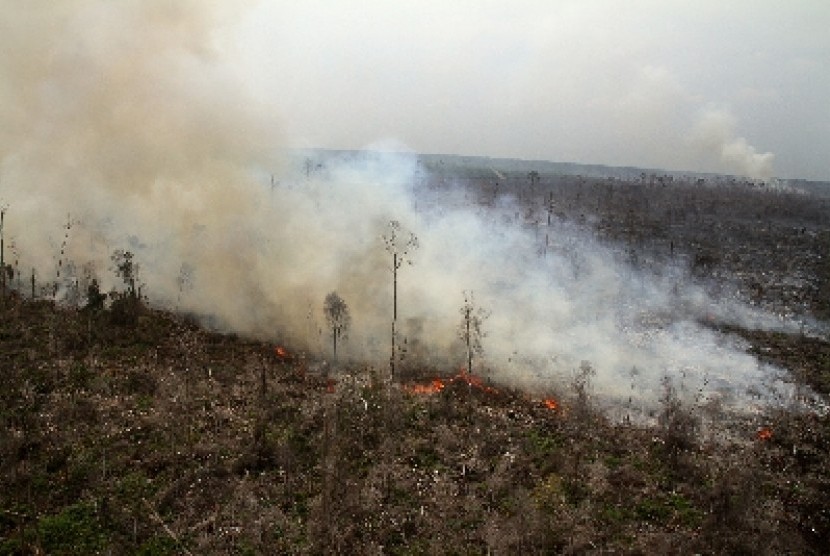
{"type": "Point", "coordinates": [120, 115]}
{"type": "Point", "coordinates": [714, 135]}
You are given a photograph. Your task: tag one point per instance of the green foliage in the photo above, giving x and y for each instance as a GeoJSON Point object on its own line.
{"type": "Point", "coordinates": [158, 546]}
{"type": "Point", "coordinates": [550, 494]}
{"type": "Point", "coordinates": [669, 507]}
{"type": "Point", "coordinates": [575, 490]}
{"type": "Point", "coordinates": [244, 549]}
{"type": "Point", "coordinates": [133, 487]}
{"type": "Point", "coordinates": [651, 510]}
{"type": "Point", "coordinates": [615, 514]}
{"type": "Point", "coordinates": [75, 530]}
{"type": "Point", "coordinates": [543, 444]}
{"type": "Point", "coordinates": [613, 462]}
{"type": "Point", "coordinates": [80, 376]}
{"type": "Point", "coordinates": [425, 457]}
{"type": "Point", "coordinates": [685, 511]}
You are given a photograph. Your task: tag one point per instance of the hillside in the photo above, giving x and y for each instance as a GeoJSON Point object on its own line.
{"type": "Point", "coordinates": [129, 429]}
{"type": "Point", "coordinates": [154, 436]}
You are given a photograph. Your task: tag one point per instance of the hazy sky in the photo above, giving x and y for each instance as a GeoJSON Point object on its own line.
{"type": "Point", "coordinates": [737, 86]}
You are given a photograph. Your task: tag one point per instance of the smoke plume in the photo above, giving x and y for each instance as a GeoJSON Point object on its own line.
{"type": "Point", "coordinates": [714, 136]}
{"type": "Point", "coordinates": [122, 118]}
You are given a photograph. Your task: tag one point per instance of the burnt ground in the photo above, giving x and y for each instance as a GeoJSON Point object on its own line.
{"type": "Point", "coordinates": [768, 244]}
{"type": "Point", "coordinates": [138, 432]}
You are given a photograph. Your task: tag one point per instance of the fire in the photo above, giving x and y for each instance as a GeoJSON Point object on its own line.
{"type": "Point", "coordinates": [281, 352]}
{"type": "Point", "coordinates": [764, 434]}
{"type": "Point", "coordinates": [550, 403]}
{"type": "Point", "coordinates": [438, 384]}
{"type": "Point", "coordinates": [474, 381]}
{"type": "Point", "coordinates": [431, 388]}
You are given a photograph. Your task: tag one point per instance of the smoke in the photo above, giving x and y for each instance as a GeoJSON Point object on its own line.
{"type": "Point", "coordinates": [120, 115]}
{"type": "Point", "coordinates": [714, 136]}
{"type": "Point", "coordinates": [123, 116]}
{"type": "Point", "coordinates": [550, 309]}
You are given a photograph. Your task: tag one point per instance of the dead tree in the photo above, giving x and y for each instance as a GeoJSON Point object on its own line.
{"type": "Point", "coordinates": [470, 331]}
{"type": "Point", "coordinates": [533, 176]}
{"type": "Point", "coordinates": [337, 317]}
{"type": "Point", "coordinates": [126, 269]}
{"type": "Point", "coordinates": [126, 306]}
{"type": "Point", "coordinates": [2, 254]}
{"type": "Point", "coordinates": [400, 248]}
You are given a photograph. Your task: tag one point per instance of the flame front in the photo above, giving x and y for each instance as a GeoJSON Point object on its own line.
{"type": "Point", "coordinates": [764, 434]}
{"type": "Point", "coordinates": [281, 352]}
{"type": "Point", "coordinates": [438, 384]}
{"type": "Point", "coordinates": [431, 388]}
{"type": "Point", "coordinates": [550, 403]}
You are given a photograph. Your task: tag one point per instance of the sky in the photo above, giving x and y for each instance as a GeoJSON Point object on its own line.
{"type": "Point", "coordinates": [735, 87]}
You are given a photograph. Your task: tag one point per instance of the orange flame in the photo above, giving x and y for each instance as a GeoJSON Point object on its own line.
{"type": "Point", "coordinates": [550, 403]}
{"type": "Point", "coordinates": [433, 387]}
{"type": "Point", "coordinates": [764, 434]}
{"type": "Point", "coordinates": [438, 384]}
{"type": "Point", "coordinates": [474, 381]}
{"type": "Point", "coordinates": [281, 352]}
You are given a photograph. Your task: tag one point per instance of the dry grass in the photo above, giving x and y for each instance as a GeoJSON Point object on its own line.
{"type": "Point", "coordinates": [158, 438]}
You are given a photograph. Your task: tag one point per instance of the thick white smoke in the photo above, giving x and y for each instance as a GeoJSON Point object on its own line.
{"type": "Point", "coordinates": [549, 310]}
{"type": "Point", "coordinates": [714, 136]}
{"type": "Point", "coordinates": [119, 115]}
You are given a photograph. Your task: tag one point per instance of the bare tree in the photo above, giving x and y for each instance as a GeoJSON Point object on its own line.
{"type": "Point", "coordinates": [549, 209]}
{"type": "Point", "coordinates": [337, 317]}
{"type": "Point", "coordinates": [400, 248]}
{"type": "Point", "coordinates": [66, 229]}
{"type": "Point", "coordinates": [126, 306]}
{"type": "Point", "coordinates": [2, 254]}
{"type": "Point", "coordinates": [470, 331]}
{"type": "Point", "coordinates": [126, 269]}
{"type": "Point", "coordinates": [533, 176]}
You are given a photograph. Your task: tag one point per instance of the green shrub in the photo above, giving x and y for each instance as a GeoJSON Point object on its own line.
{"type": "Point", "coordinates": [75, 530]}
{"type": "Point", "coordinates": [158, 546]}
{"type": "Point", "coordinates": [652, 510]}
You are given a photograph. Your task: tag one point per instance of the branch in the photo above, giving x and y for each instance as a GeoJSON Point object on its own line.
{"type": "Point", "coordinates": [154, 514]}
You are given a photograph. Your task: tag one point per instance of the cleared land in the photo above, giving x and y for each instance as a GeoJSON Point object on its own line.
{"type": "Point", "coordinates": [134, 431]}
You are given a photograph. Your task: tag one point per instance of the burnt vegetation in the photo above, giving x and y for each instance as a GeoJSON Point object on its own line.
{"type": "Point", "coordinates": [127, 429]}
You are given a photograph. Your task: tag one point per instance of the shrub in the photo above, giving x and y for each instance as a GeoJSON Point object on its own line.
{"type": "Point", "coordinates": [75, 530]}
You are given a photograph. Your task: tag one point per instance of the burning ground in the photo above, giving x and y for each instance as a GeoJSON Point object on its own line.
{"type": "Point", "coordinates": [160, 437]}
{"type": "Point", "coordinates": [128, 428]}
{"type": "Point", "coordinates": [159, 421]}
{"type": "Point", "coordinates": [170, 161]}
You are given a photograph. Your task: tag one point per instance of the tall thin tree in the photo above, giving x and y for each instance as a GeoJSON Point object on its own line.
{"type": "Point", "coordinates": [400, 245]}
{"type": "Point", "coordinates": [337, 317]}
{"type": "Point", "coordinates": [2, 254]}
{"type": "Point", "coordinates": [470, 330]}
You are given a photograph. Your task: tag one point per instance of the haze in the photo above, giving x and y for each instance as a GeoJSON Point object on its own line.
{"type": "Point", "coordinates": [734, 87]}
{"type": "Point", "coordinates": [157, 127]}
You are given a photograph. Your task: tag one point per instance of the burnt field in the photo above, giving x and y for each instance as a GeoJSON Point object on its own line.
{"type": "Point", "coordinates": [127, 429]}
{"type": "Point", "coordinates": [767, 245]}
